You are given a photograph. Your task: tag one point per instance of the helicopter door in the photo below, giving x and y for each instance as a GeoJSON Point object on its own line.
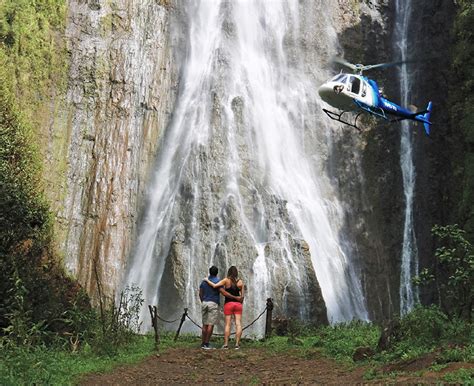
{"type": "Point", "coordinates": [354, 85]}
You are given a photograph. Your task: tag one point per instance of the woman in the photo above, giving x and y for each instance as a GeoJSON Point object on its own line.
{"type": "Point", "coordinates": [235, 287]}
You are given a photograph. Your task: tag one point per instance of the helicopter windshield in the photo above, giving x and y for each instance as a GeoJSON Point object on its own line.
{"type": "Point", "coordinates": [339, 78]}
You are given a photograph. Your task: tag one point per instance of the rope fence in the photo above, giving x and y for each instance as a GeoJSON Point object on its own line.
{"type": "Point", "coordinates": [155, 317]}
{"type": "Point", "coordinates": [232, 333]}
{"type": "Point", "coordinates": [168, 321]}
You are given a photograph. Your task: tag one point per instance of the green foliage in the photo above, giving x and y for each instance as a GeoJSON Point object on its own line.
{"type": "Point", "coordinates": [33, 288]}
{"type": "Point", "coordinates": [437, 367]}
{"type": "Point", "coordinates": [457, 354]}
{"type": "Point", "coordinates": [54, 365]}
{"type": "Point", "coordinates": [118, 324]}
{"type": "Point", "coordinates": [20, 330]}
{"type": "Point", "coordinates": [24, 212]}
{"type": "Point", "coordinates": [422, 331]}
{"type": "Point", "coordinates": [341, 340]}
{"type": "Point", "coordinates": [461, 376]}
{"type": "Point", "coordinates": [25, 227]}
{"type": "Point", "coordinates": [372, 373]}
{"type": "Point", "coordinates": [462, 112]}
{"type": "Point", "coordinates": [89, 341]}
{"type": "Point", "coordinates": [338, 341]}
{"type": "Point", "coordinates": [455, 270]}
{"type": "Point", "coordinates": [58, 366]}
{"type": "Point", "coordinates": [426, 329]}
{"type": "Point", "coordinates": [29, 40]}
{"type": "Point", "coordinates": [423, 327]}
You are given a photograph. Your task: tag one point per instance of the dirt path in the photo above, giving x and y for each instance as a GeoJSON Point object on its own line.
{"type": "Point", "coordinates": [246, 366]}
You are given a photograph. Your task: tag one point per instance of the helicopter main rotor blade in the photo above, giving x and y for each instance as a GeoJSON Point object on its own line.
{"type": "Point", "coordinates": [359, 68]}
{"type": "Point", "coordinates": [343, 62]}
{"type": "Point", "coordinates": [389, 64]}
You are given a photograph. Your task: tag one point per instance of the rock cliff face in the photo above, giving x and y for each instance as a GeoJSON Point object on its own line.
{"type": "Point", "coordinates": [376, 220]}
{"type": "Point", "coordinates": [437, 189]}
{"type": "Point", "coordinates": [120, 92]}
{"type": "Point", "coordinates": [365, 165]}
{"type": "Point", "coordinates": [126, 74]}
{"type": "Point", "coordinates": [231, 159]}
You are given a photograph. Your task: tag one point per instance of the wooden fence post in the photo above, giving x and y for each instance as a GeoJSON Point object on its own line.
{"type": "Point", "coordinates": [268, 322]}
{"type": "Point", "coordinates": [154, 323]}
{"type": "Point", "coordinates": [181, 323]}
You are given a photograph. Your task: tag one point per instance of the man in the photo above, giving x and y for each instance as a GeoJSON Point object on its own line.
{"type": "Point", "coordinates": [210, 305]}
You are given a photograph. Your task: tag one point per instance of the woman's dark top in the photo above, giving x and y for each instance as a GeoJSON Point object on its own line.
{"type": "Point", "coordinates": [233, 290]}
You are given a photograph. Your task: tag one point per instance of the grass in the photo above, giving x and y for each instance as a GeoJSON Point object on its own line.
{"type": "Point", "coordinates": [43, 365]}
{"type": "Point", "coordinates": [451, 339]}
{"type": "Point", "coordinates": [338, 342]}
{"type": "Point", "coordinates": [461, 376]}
{"type": "Point", "coordinates": [423, 331]}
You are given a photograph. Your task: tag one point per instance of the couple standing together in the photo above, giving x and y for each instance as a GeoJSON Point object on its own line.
{"type": "Point", "coordinates": [232, 288]}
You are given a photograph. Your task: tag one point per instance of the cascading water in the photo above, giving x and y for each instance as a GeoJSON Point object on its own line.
{"type": "Point", "coordinates": [409, 266]}
{"type": "Point", "coordinates": [235, 183]}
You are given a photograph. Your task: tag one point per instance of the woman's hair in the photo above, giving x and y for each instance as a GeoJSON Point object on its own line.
{"type": "Point", "coordinates": [233, 274]}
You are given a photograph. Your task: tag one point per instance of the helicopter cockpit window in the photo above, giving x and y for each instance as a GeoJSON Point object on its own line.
{"type": "Point", "coordinates": [339, 78]}
{"type": "Point", "coordinates": [354, 85]}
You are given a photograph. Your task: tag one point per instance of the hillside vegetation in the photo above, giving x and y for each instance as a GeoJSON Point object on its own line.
{"type": "Point", "coordinates": [33, 287]}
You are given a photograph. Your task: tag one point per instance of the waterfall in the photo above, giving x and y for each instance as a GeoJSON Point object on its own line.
{"type": "Point", "coordinates": [241, 176]}
{"type": "Point", "coordinates": [409, 265]}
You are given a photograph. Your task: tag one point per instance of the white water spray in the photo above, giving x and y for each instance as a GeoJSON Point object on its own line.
{"type": "Point", "coordinates": [409, 266]}
{"type": "Point", "coordinates": [234, 183]}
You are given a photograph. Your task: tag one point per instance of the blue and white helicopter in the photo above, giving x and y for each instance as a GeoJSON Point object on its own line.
{"type": "Point", "coordinates": [355, 92]}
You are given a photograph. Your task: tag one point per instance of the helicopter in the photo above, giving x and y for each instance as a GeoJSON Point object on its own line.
{"type": "Point", "coordinates": [355, 92]}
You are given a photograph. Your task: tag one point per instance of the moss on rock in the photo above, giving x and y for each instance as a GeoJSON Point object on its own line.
{"type": "Point", "coordinates": [33, 286]}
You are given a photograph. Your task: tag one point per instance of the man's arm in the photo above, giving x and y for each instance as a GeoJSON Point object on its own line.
{"type": "Point", "coordinates": [241, 287]}
{"type": "Point", "coordinates": [239, 299]}
{"type": "Point", "coordinates": [215, 285]}
{"type": "Point", "coordinates": [200, 294]}
{"type": "Point", "coordinates": [228, 295]}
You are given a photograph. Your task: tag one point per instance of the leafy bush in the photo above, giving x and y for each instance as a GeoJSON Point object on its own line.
{"type": "Point", "coordinates": [341, 340]}
{"type": "Point", "coordinates": [454, 274]}
{"type": "Point", "coordinates": [426, 329]}
{"type": "Point", "coordinates": [120, 323]}
{"type": "Point", "coordinates": [423, 330]}
{"type": "Point", "coordinates": [34, 291]}
{"type": "Point", "coordinates": [424, 326]}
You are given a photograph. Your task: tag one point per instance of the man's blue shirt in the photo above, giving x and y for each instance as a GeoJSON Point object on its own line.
{"type": "Point", "coordinates": [210, 294]}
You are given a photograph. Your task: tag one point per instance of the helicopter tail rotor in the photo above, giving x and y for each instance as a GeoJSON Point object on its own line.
{"type": "Point", "coordinates": [426, 117]}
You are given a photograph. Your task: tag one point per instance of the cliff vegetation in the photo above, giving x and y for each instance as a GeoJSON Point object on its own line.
{"type": "Point", "coordinates": [462, 116]}
{"type": "Point", "coordinates": [33, 287]}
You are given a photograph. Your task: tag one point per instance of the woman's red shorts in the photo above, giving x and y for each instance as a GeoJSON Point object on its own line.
{"type": "Point", "coordinates": [233, 308]}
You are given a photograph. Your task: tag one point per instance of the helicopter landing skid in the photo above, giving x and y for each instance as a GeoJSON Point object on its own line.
{"type": "Point", "coordinates": [338, 117]}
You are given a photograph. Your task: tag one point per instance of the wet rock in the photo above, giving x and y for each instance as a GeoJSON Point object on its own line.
{"type": "Point", "coordinates": [120, 88]}
{"type": "Point", "coordinates": [280, 326]}
{"type": "Point", "coordinates": [362, 353]}
{"type": "Point", "coordinates": [390, 335]}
